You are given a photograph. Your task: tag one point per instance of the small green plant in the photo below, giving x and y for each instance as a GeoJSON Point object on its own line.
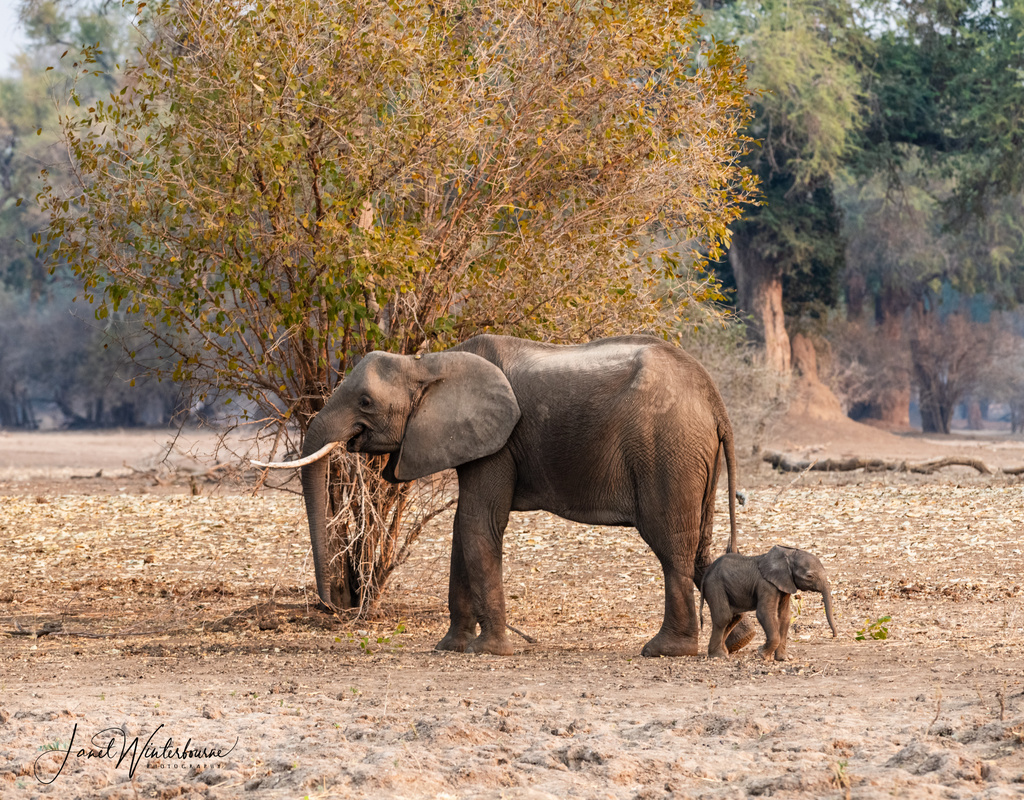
{"type": "Point", "coordinates": [369, 644]}
{"type": "Point", "coordinates": [874, 630]}
{"type": "Point", "coordinates": [840, 777]}
{"type": "Point", "coordinates": [56, 744]}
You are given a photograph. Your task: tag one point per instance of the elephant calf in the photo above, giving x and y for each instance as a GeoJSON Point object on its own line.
{"type": "Point", "coordinates": [734, 584]}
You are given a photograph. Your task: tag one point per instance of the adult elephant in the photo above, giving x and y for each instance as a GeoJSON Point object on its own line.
{"type": "Point", "coordinates": [620, 431]}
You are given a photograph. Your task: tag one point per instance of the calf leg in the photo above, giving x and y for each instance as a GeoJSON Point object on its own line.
{"type": "Point", "coordinates": [783, 613]}
{"type": "Point", "coordinates": [768, 616]}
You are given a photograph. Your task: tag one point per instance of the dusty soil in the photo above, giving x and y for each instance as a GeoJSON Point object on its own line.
{"type": "Point", "coordinates": [135, 612]}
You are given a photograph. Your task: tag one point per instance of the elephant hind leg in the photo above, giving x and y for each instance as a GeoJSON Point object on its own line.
{"type": "Point", "coordinates": [717, 647]}
{"type": "Point", "coordinates": [741, 635]}
{"type": "Point", "coordinates": [679, 631]}
{"type": "Point", "coordinates": [674, 536]}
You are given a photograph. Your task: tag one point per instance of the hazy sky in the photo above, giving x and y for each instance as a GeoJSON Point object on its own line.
{"type": "Point", "coordinates": [12, 35]}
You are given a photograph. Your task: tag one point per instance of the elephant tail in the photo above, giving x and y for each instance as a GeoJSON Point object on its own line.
{"type": "Point", "coordinates": [702, 601]}
{"type": "Point", "coordinates": [726, 440]}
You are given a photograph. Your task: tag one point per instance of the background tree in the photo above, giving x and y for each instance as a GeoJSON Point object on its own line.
{"type": "Point", "coordinates": [932, 202]}
{"type": "Point", "coordinates": [54, 366]}
{"type": "Point", "coordinates": [279, 188]}
{"type": "Point", "coordinates": [786, 254]}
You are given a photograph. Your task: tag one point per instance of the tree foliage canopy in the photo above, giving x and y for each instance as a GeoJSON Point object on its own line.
{"type": "Point", "coordinates": [946, 84]}
{"type": "Point", "coordinates": [283, 186]}
{"type": "Point", "coordinates": [804, 57]}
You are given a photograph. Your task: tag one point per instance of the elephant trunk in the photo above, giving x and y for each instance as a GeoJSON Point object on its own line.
{"type": "Point", "coordinates": [826, 598]}
{"type": "Point", "coordinates": [314, 489]}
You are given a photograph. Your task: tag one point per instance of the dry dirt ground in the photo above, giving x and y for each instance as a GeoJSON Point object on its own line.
{"type": "Point", "coordinates": [154, 643]}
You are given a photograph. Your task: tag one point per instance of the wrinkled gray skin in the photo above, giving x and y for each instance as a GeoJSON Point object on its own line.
{"type": "Point", "coordinates": [734, 584]}
{"type": "Point", "coordinates": [621, 431]}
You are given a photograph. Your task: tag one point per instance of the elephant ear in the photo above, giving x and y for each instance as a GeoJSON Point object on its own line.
{"type": "Point", "coordinates": [466, 411]}
{"type": "Point", "coordinates": [776, 568]}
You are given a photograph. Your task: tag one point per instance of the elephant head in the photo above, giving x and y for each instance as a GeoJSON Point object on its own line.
{"type": "Point", "coordinates": [790, 569]}
{"type": "Point", "coordinates": [430, 412]}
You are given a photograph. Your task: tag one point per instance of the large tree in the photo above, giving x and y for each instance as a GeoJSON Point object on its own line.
{"type": "Point", "coordinates": [934, 200]}
{"type": "Point", "coordinates": [280, 187]}
{"type": "Point", "coordinates": [47, 353]}
{"type": "Point", "coordinates": [787, 251]}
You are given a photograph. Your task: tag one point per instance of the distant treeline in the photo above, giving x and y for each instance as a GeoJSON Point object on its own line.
{"type": "Point", "coordinates": [58, 370]}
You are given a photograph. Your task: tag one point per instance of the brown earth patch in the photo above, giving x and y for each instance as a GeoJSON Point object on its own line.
{"type": "Point", "coordinates": [125, 612]}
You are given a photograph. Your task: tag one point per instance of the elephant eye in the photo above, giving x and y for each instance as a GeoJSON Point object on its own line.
{"type": "Point", "coordinates": [365, 402]}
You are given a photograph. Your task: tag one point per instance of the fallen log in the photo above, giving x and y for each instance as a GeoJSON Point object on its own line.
{"type": "Point", "coordinates": [928, 467]}
{"type": "Point", "coordinates": [786, 463]}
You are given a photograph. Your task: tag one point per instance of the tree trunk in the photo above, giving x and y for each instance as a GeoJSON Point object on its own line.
{"type": "Point", "coordinates": [975, 419]}
{"type": "Point", "coordinates": [949, 357]}
{"type": "Point", "coordinates": [365, 518]}
{"type": "Point", "coordinates": [759, 292]}
{"type": "Point", "coordinates": [893, 404]}
{"type": "Point", "coordinates": [935, 414]}
{"type": "Point", "coordinates": [768, 307]}
{"type": "Point", "coordinates": [856, 295]}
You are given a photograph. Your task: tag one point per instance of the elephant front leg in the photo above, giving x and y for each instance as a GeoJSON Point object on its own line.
{"type": "Point", "coordinates": [462, 629]}
{"type": "Point", "coordinates": [768, 616]}
{"type": "Point", "coordinates": [488, 597]}
{"type": "Point", "coordinates": [485, 499]}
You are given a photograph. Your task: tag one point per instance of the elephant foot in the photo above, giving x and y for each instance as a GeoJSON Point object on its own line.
{"type": "Point", "coordinates": [719, 653]}
{"type": "Point", "coordinates": [742, 635]}
{"type": "Point", "coordinates": [780, 655]}
{"type": "Point", "coordinates": [667, 645]}
{"type": "Point", "coordinates": [495, 644]}
{"type": "Point", "coordinates": [767, 654]}
{"type": "Point", "coordinates": [456, 641]}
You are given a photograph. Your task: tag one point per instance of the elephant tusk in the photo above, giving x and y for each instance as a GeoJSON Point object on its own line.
{"type": "Point", "coordinates": [300, 462]}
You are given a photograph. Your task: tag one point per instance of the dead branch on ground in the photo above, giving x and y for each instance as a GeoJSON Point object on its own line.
{"type": "Point", "coordinates": [786, 463]}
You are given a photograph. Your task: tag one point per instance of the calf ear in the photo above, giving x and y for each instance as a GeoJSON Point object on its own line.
{"type": "Point", "coordinates": [775, 568]}
{"type": "Point", "coordinates": [466, 410]}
